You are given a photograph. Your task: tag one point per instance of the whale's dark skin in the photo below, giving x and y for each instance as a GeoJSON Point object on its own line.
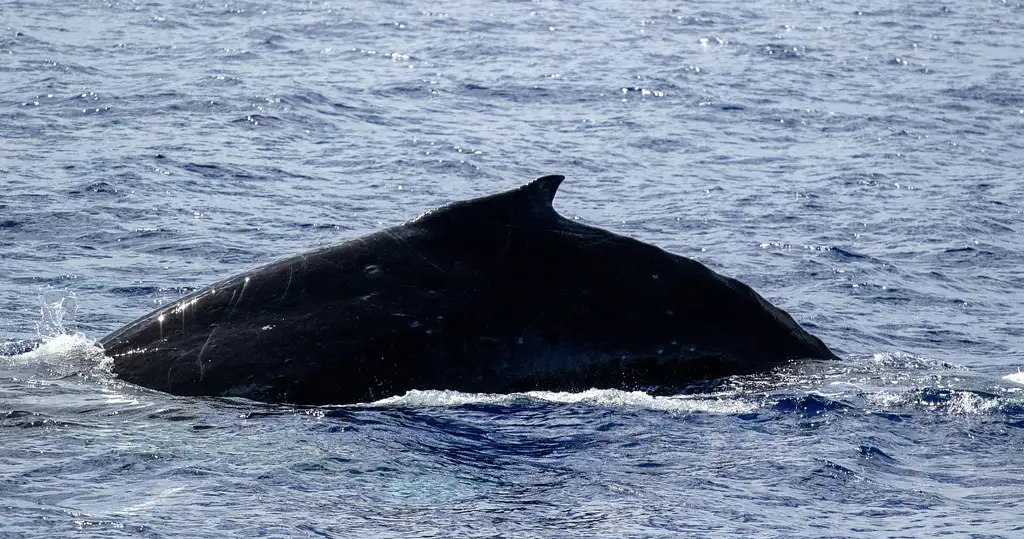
{"type": "Point", "coordinates": [498, 294]}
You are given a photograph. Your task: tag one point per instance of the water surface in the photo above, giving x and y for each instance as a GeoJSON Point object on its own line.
{"type": "Point", "coordinates": [858, 164]}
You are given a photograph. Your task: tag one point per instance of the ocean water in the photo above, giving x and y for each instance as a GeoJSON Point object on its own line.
{"type": "Point", "coordinates": [859, 164]}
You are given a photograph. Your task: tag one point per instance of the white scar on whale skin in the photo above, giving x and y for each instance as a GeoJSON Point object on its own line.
{"type": "Point", "coordinates": [241, 294]}
{"type": "Point", "coordinates": [287, 286]}
{"type": "Point", "coordinates": [199, 358]}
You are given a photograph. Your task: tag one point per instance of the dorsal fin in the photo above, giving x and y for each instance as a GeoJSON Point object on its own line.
{"type": "Point", "coordinates": [542, 190]}
{"type": "Point", "coordinates": [534, 198]}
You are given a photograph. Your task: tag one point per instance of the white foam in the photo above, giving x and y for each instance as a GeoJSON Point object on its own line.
{"type": "Point", "coordinates": [60, 345]}
{"type": "Point", "coordinates": [417, 397]}
{"type": "Point", "coordinates": [1017, 377]}
{"type": "Point", "coordinates": [715, 404]}
{"type": "Point", "coordinates": [967, 403]}
{"type": "Point", "coordinates": [63, 354]}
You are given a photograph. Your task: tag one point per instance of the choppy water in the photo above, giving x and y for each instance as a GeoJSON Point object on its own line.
{"type": "Point", "coordinates": [858, 164]}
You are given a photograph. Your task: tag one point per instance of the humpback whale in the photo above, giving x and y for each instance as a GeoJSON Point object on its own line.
{"type": "Point", "coordinates": [496, 294]}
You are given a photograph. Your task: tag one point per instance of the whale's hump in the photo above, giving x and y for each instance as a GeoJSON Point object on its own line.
{"type": "Point", "coordinates": [497, 294]}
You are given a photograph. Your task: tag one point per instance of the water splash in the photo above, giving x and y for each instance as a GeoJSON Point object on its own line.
{"type": "Point", "coordinates": [59, 351]}
{"type": "Point", "coordinates": [58, 309]}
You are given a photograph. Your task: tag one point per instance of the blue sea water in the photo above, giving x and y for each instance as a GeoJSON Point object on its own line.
{"type": "Point", "coordinates": [857, 163]}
